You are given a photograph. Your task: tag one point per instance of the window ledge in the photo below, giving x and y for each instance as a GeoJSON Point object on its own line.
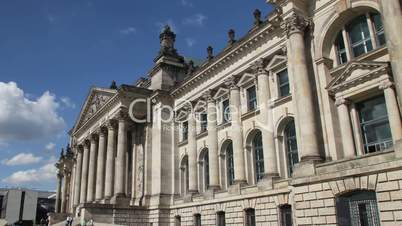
{"type": "Point", "coordinates": [250, 114]}
{"type": "Point", "coordinates": [182, 143]}
{"type": "Point", "coordinates": [281, 100]}
{"type": "Point", "coordinates": [224, 125]}
{"type": "Point", "coordinates": [202, 134]}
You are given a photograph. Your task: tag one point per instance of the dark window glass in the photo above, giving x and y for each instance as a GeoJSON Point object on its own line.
{"type": "Point", "coordinates": [250, 217]}
{"type": "Point", "coordinates": [341, 49]}
{"type": "Point", "coordinates": [230, 163]}
{"type": "Point", "coordinates": [177, 221]}
{"type": "Point", "coordinates": [197, 220]}
{"type": "Point", "coordinates": [374, 124]}
{"type": "Point", "coordinates": [283, 83]}
{"type": "Point", "coordinates": [259, 156]}
{"type": "Point", "coordinates": [225, 111]}
{"type": "Point", "coordinates": [379, 29]}
{"type": "Point", "coordinates": [220, 218]}
{"type": "Point", "coordinates": [185, 130]}
{"type": "Point", "coordinates": [358, 208]}
{"type": "Point", "coordinates": [359, 36]}
{"type": "Point", "coordinates": [251, 98]}
{"type": "Point", "coordinates": [291, 146]}
{"type": "Point", "coordinates": [204, 122]}
{"type": "Point", "coordinates": [206, 169]}
{"type": "Point", "coordinates": [286, 215]}
{"type": "Point", "coordinates": [1, 206]}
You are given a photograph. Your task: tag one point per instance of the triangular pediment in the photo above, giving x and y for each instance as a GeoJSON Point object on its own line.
{"type": "Point", "coordinates": [275, 61]}
{"type": "Point", "coordinates": [201, 106]}
{"type": "Point", "coordinates": [357, 72]}
{"type": "Point", "coordinates": [246, 79]}
{"type": "Point", "coordinates": [221, 92]}
{"type": "Point", "coordinates": [181, 115]}
{"type": "Point", "coordinates": [95, 100]}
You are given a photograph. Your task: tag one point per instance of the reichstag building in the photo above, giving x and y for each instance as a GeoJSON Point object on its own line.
{"type": "Point", "coordinates": [298, 122]}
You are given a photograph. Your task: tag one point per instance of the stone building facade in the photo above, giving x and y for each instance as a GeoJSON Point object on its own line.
{"type": "Point", "coordinates": [296, 123]}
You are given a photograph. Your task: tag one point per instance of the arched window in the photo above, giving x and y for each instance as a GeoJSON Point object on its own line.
{"type": "Point", "coordinates": [291, 146]}
{"type": "Point", "coordinates": [197, 219]}
{"type": "Point", "coordinates": [286, 215]}
{"type": "Point", "coordinates": [358, 208]}
{"type": "Point", "coordinates": [258, 156]}
{"type": "Point", "coordinates": [249, 218]}
{"type": "Point", "coordinates": [184, 180]}
{"type": "Point", "coordinates": [204, 170]}
{"type": "Point", "coordinates": [229, 164]}
{"type": "Point", "coordinates": [220, 218]}
{"type": "Point", "coordinates": [177, 221]}
{"type": "Point", "coordinates": [357, 37]}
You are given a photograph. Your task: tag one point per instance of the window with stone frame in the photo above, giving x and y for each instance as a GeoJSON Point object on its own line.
{"type": "Point", "coordinates": [203, 121]}
{"type": "Point", "coordinates": [258, 156]}
{"type": "Point", "coordinates": [1, 206]}
{"type": "Point", "coordinates": [341, 49]}
{"type": "Point", "coordinates": [379, 28]}
{"type": "Point", "coordinates": [374, 124]}
{"type": "Point", "coordinates": [177, 221]}
{"type": "Point", "coordinates": [249, 218]}
{"type": "Point", "coordinates": [286, 215]}
{"type": "Point", "coordinates": [220, 218]}
{"type": "Point", "coordinates": [184, 128]}
{"type": "Point", "coordinates": [292, 153]}
{"type": "Point", "coordinates": [205, 169]}
{"type": "Point", "coordinates": [283, 83]}
{"type": "Point", "coordinates": [251, 98]}
{"type": "Point", "coordinates": [225, 111]}
{"type": "Point", "coordinates": [229, 164]}
{"type": "Point", "coordinates": [197, 219]}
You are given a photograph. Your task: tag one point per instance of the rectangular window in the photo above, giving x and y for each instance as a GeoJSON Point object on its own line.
{"type": "Point", "coordinates": [286, 215]}
{"type": "Point", "coordinates": [251, 98]}
{"type": "Point", "coordinates": [359, 35]}
{"type": "Point", "coordinates": [1, 206]}
{"type": "Point", "coordinates": [197, 220]}
{"type": "Point", "coordinates": [379, 29]}
{"type": "Point", "coordinates": [177, 221]}
{"type": "Point", "coordinates": [185, 131]}
{"type": "Point", "coordinates": [225, 111]}
{"type": "Point", "coordinates": [250, 217]}
{"type": "Point", "coordinates": [283, 83]}
{"type": "Point", "coordinates": [204, 122]}
{"type": "Point", "coordinates": [220, 218]}
{"type": "Point", "coordinates": [341, 49]}
{"type": "Point", "coordinates": [374, 124]}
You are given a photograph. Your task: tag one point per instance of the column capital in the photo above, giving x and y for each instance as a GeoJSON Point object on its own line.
{"type": "Point", "coordinates": [111, 124]}
{"type": "Point", "coordinates": [122, 115]}
{"type": "Point", "coordinates": [86, 143]}
{"type": "Point", "coordinates": [101, 131]}
{"type": "Point", "coordinates": [208, 96]}
{"type": "Point", "coordinates": [341, 101]}
{"type": "Point", "coordinates": [231, 83]}
{"type": "Point", "coordinates": [385, 85]}
{"type": "Point", "coordinates": [259, 68]}
{"type": "Point", "coordinates": [93, 137]}
{"type": "Point", "coordinates": [295, 23]}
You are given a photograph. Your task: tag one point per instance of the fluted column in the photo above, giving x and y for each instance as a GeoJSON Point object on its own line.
{"type": "Point", "coordinates": [110, 153]}
{"type": "Point", "coordinates": [100, 171]}
{"type": "Point", "coordinates": [212, 142]}
{"type": "Point", "coordinates": [66, 183]}
{"type": "Point", "coordinates": [58, 192]}
{"type": "Point", "coordinates": [92, 168]}
{"type": "Point", "coordinates": [392, 20]}
{"type": "Point", "coordinates": [302, 89]}
{"type": "Point", "coordinates": [84, 176]}
{"type": "Point", "coordinates": [120, 173]}
{"type": "Point", "coordinates": [346, 128]}
{"type": "Point", "coordinates": [78, 172]}
{"type": "Point", "coordinates": [133, 164]}
{"type": "Point", "coordinates": [394, 115]}
{"type": "Point", "coordinates": [265, 121]}
{"type": "Point", "coordinates": [237, 133]}
{"type": "Point", "coordinates": [192, 153]}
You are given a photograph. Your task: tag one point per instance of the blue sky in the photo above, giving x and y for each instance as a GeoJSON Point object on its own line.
{"type": "Point", "coordinates": [53, 51]}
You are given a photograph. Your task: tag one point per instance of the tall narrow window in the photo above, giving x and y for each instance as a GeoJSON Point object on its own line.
{"type": "Point", "coordinates": [225, 111]}
{"type": "Point", "coordinates": [258, 156]}
{"type": "Point", "coordinates": [283, 83]}
{"type": "Point", "coordinates": [379, 29]}
{"type": "Point", "coordinates": [251, 98]}
{"type": "Point", "coordinates": [358, 208]}
{"type": "Point", "coordinates": [359, 35]}
{"type": "Point", "coordinates": [220, 218]}
{"type": "Point", "coordinates": [185, 131]}
{"type": "Point", "coordinates": [177, 221]}
{"type": "Point", "coordinates": [291, 146]}
{"type": "Point", "coordinates": [206, 169]}
{"type": "Point", "coordinates": [374, 124]}
{"type": "Point", "coordinates": [1, 206]}
{"type": "Point", "coordinates": [286, 215]}
{"type": "Point", "coordinates": [197, 219]}
{"type": "Point", "coordinates": [249, 217]}
{"type": "Point", "coordinates": [341, 49]}
{"type": "Point", "coordinates": [204, 122]}
{"type": "Point", "coordinates": [230, 164]}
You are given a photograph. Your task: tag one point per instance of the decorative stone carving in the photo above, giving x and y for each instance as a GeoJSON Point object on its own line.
{"type": "Point", "coordinates": [257, 17]}
{"type": "Point", "coordinates": [258, 67]}
{"type": "Point", "coordinates": [96, 103]}
{"type": "Point", "coordinates": [190, 67]}
{"type": "Point", "coordinates": [295, 24]}
{"type": "Point", "coordinates": [231, 35]}
{"type": "Point", "coordinates": [341, 101]}
{"type": "Point", "coordinates": [207, 96]}
{"type": "Point", "coordinates": [210, 52]}
{"type": "Point", "coordinates": [231, 83]}
{"type": "Point", "coordinates": [385, 85]}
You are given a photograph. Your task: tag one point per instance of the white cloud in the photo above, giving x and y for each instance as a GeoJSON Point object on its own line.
{"type": "Point", "coordinates": [67, 102]}
{"type": "Point", "coordinates": [186, 3]}
{"type": "Point", "coordinates": [190, 42]}
{"type": "Point", "coordinates": [128, 30]}
{"type": "Point", "coordinates": [32, 177]}
{"type": "Point", "coordinates": [22, 159]}
{"type": "Point", "coordinates": [197, 20]}
{"type": "Point", "coordinates": [170, 22]}
{"type": "Point", "coordinates": [50, 147]}
{"type": "Point", "coordinates": [25, 119]}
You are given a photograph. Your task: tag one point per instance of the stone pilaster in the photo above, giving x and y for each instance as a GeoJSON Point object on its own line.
{"type": "Point", "coordinates": [110, 153]}
{"type": "Point", "coordinates": [66, 184]}
{"type": "Point", "coordinates": [212, 142]}
{"type": "Point", "coordinates": [78, 172]}
{"type": "Point", "coordinates": [392, 20]}
{"type": "Point", "coordinates": [133, 164]}
{"type": "Point", "coordinates": [100, 172]}
{"type": "Point", "coordinates": [84, 175]}
{"type": "Point", "coordinates": [295, 26]}
{"type": "Point", "coordinates": [120, 173]}
{"type": "Point", "coordinates": [265, 121]}
{"type": "Point", "coordinates": [346, 128]}
{"type": "Point", "coordinates": [192, 153]}
{"type": "Point", "coordinates": [58, 192]}
{"type": "Point", "coordinates": [236, 132]}
{"type": "Point", "coordinates": [92, 168]}
{"type": "Point", "coordinates": [394, 115]}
